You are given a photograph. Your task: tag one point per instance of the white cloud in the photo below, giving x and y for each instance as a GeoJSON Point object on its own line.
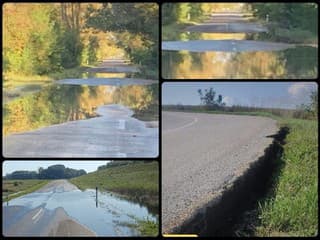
{"type": "Point", "coordinates": [229, 101]}
{"type": "Point", "coordinates": [301, 89]}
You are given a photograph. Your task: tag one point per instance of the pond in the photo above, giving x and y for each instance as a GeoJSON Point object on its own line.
{"type": "Point", "coordinates": [235, 55]}
{"type": "Point", "coordinates": [112, 216]}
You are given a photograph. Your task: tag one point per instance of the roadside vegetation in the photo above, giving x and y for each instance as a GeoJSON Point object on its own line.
{"type": "Point", "coordinates": [137, 181]}
{"type": "Point", "coordinates": [290, 208]}
{"type": "Point", "coordinates": [44, 42]}
{"type": "Point", "coordinates": [288, 22]}
{"type": "Point", "coordinates": [15, 188]}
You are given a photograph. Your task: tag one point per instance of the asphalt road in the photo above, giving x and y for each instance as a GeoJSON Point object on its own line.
{"type": "Point", "coordinates": [113, 134]}
{"type": "Point", "coordinates": [201, 153]}
{"type": "Point", "coordinates": [24, 220]}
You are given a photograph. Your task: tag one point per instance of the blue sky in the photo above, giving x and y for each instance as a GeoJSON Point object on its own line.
{"type": "Point", "coordinates": [259, 94]}
{"type": "Point", "coordinates": [32, 165]}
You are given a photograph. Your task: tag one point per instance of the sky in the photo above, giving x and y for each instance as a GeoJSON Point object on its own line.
{"type": "Point", "coordinates": [32, 165]}
{"type": "Point", "coordinates": [258, 94]}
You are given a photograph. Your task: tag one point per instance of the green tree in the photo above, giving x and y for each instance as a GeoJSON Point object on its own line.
{"type": "Point", "coordinates": [208, 99]}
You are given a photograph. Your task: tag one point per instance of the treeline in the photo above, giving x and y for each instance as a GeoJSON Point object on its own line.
{"type": "Point", "coordinates": [290, 22]}
{"type": "Point", "coordinates": [41, 38]}
{"type": "Point", "coordinates": [115, 163]}
{"type": "Point", "coordinates": [53, 172]}
{"type": "Point", "coordinates": [44, 38]}
{"type": "Point", "coordinates": [288, 113]}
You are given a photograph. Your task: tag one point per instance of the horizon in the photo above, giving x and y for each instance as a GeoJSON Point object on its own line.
{"type": "Point", "coordinates": [280, 95]}
{"type": "Point", "coordinates": [9, 167]}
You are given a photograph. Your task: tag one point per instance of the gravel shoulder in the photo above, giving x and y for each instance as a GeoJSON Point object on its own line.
{"type": "Point", "coordinates": [201, 154]}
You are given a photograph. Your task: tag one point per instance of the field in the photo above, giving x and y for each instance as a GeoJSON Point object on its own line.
{"type": "Point", "coordinates": [16, 188]}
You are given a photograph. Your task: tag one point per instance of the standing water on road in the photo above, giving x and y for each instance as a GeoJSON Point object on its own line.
{"type": "Point", "coordinates": [102, 120]}
{"type": "Point", "coordinates": [112, 217]}
{"type": "Point", "coordinates": [228, 44]}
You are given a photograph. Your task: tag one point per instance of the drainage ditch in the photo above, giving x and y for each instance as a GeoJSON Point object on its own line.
{"type": "Point", "coordinates": [221, 216]}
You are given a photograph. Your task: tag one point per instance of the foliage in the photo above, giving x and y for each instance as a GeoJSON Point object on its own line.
{"type": "Point", "coordinates": [208, 99]}
{"type": "Point", "coordinates": [289, 20]}
{"type": "Point", "coordinates": [52, 172]}
{"type": "Point", "coordinates": [139, 24]}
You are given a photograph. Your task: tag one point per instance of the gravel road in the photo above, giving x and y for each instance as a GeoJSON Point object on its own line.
{"type": "Point", "coordinates": [203, 152]}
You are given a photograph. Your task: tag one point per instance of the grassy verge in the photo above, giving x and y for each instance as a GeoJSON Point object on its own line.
{"type": "Point", "coordinates": [137, 182]}
{"type": "Point", "coordinates": [292, 208]}
{"type": "Point", "coordinates": [13, 80]}
{"type": "Point", "coordinates": [15, 188]}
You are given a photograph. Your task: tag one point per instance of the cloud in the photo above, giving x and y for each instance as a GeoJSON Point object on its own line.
{"type": "Point", "coordinates": [229, 101]}
{"type": "Point", "coordinates": [301, 89]}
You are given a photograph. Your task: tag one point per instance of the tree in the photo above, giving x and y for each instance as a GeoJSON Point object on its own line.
{"type": "Point", "coordinates": [208, 99]}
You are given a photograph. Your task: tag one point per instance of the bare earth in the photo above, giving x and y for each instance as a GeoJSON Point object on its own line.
{"type": "Point", "coordinates": [201, 153]}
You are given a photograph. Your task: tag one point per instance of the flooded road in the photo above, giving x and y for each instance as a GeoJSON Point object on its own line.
{"type": "Point", "coordinates": [84, 119]}
{"type": "Point", "coordinates": [234, 46]}
{"type": "Point", "coordinates": [113, 134]}
{"type": "Point", "coordinates": [60, 209]}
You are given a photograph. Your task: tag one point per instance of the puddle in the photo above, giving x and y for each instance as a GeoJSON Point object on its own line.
{"type": "Point", "coordinates": [112, 217]}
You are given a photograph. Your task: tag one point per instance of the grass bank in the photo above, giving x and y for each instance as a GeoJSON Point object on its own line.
{"type": "Point", "coordinates": [15, 188]}
{"type": "Point", "coordinates": [291, 207]}
{"type": "Point", "coordinates": [137, 182]}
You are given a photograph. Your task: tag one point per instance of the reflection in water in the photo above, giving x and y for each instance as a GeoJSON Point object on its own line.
{"type": "Point", "coordinates": [299, 62]}
{"type": "Point", "coordinates": [60, 103]}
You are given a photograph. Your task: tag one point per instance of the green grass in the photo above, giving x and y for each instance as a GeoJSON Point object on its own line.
{"type": "Point", "coordinates": [137, 182]}
{"type": "Point", "coordinates": [148, 228]}
{"type": "Point", "coordinates": [16, 188]}
{"type": "Point", "coordinates": [293, 208]}
{"type": "Point", "coordinates": [13, 80]}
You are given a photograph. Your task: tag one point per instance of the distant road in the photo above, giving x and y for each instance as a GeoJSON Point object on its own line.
{"type": "Point", "coordinates": [203, 152]}
{"type": "Point", "coordinates": [20, 220]}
